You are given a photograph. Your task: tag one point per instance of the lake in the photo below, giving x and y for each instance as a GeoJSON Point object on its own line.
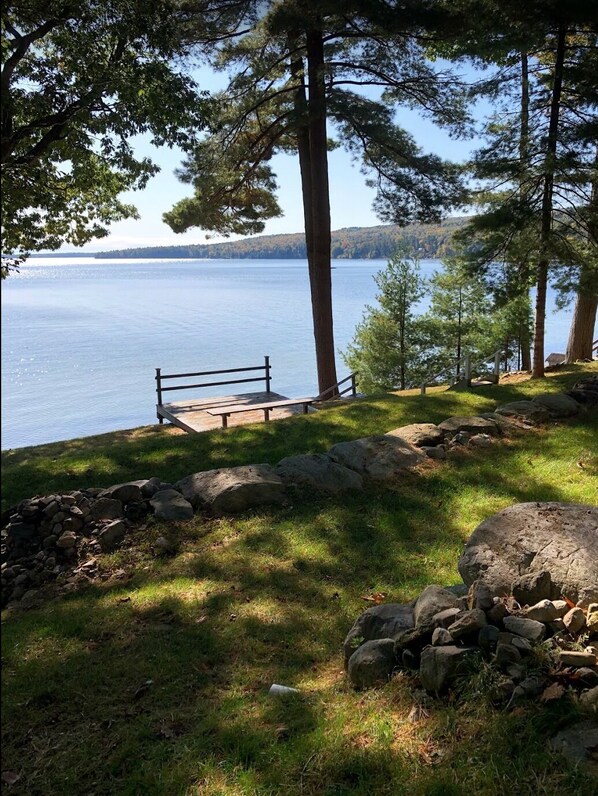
{"type": "Point", "coordinates": [82, 337]}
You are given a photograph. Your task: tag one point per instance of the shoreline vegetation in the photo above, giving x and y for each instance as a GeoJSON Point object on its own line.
{"type": "Point", "coordinates": [428, 241]}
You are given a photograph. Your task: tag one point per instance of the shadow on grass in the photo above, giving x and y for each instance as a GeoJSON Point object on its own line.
{"type": "Point", "coordinates": [160, 685]}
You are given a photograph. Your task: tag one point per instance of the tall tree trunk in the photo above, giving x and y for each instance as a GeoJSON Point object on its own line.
{"type": "Point", "coordinates": [320, 269]}
{"type": "Point", "coordinates": [524, 339]}
{"type": "Point", "coordinates": [546, 212]}
{"type": "Point", "coordinates": [581, 334]}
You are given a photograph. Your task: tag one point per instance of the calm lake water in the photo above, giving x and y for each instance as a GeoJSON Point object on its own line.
{"type": "Point", "coordinates": [82, 337]}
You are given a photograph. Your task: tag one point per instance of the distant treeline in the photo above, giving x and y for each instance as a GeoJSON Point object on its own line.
{"type": "Point", "coordinates": [352, 243]}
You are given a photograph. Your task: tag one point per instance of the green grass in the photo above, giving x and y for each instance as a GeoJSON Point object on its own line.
{"type": "Point", "coordinates": [268, 597]}
{"type": "Point", "coordinates": [156, 451]}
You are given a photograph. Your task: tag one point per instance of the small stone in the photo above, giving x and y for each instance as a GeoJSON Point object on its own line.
{"type": "Point", "coordinates": [68, 500]}
{"type": "Point", "coordinates": [372, 663]}
{"type": "Point", "coordinates": [59, 516]}
{"type": "Point", "coordinates": [468, 623]}
{"type": "Point", "coordinates": [589, 699]}
{"type": "Point", "coordinates": [561, 607]}
{"type": "Point", "coordinates": [481, 441]}
{"type": "Point", "coordinates": [574, 658]}
{"type": "Point", "coordinates": [446, 617]}
{"type": "Point", "coordinates": [516, 671]}
{"type": "Point", "coordinates": [21, 579]}
{"type": "Point", "coordinates": [437, 452]}
{"type": "Point", "coordinates": [557, 626]}
{"type": "Point", "coordinates": [488, 638]}
{"type": "Point", "coordinates": [531, 588]}
{"type": "Point", "coordinates": [409, 660]}
{"type": "Point", "coordinates": [49, 541]}
{"type": "Point", "coordinates": [462, 438]}
{"type": "Point", "coordinates": [544, 611]}
{"type": "Point", "coordinates": [522, 644]}
{"type": "Point", "coordinates": [73, 523]}
{"type": "Point", "coordinates": [497, 613]}
{"type": "Point", "coordinates": [165, 546]}
{"type": "Point", "coordinates": [575, 620]}
{"type": "Point", "coordinates": [106, 508]}
{"type": "Point", "coordinates": [111, 535]}
{"type": "Point", "coordinates": [169, 504]}
{"type": "Point", "coordinates": [528, 628]}
{"type": "Point", "coordinates": [67, 540]}
{"type": "Point", "coordinates": [441, 637]}
{"type": "Point", "coordinates": [51, 509]}
{"type": "Point", "coordinates": [482, 595]}
{"type": "Point", "coordinates": [440, 665]}
{"type": "Point", "coordinates": [506, 654]}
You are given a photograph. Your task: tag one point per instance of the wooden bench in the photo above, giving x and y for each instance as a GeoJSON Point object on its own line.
{"type": "Point", "coordinates": [226, 411]}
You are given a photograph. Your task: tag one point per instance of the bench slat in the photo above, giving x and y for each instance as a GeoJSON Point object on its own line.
{"type": "Point", "coordinates": [234, 408]}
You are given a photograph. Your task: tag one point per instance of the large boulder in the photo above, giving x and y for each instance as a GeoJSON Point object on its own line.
{"type": "Point", "coordinates": [419, 434]}
{"type": "Point", "coordinates": [524, 410]}
{"type": "Point", "coordinates": [379, 621]}
{"type": "Point", "coordinates": [233, 489]}
{"type": "Point", "coordinates": [372, 664]}
{"type": "Point", "coordinates": [473, 425]}
{"type": "Point", "coordinates": [557, 404]}
{"type": "Point", "coordinates": [318, 471]}
{"type": "Point", "coordinates": [381, 457]}
{"type": "Point", "coordinates": [561, 538]}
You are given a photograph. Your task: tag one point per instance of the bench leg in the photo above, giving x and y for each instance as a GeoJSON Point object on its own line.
{"type": "Point", "coordinates": [267, 415]}
{"type": "Point", "coordinates": [224, 421]}
{"type": "Point", "coordinates": [305, 408]}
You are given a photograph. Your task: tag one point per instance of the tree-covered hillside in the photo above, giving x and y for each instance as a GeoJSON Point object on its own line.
{"type": "Point", "coordinates": [428, 240]}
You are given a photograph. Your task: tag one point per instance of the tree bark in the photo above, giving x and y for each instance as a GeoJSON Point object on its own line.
{"type": "Point", "coordinates": [524, 337]}
{"type": "Point", "coordinates": [581, 334]}
{"type": "Point", "coordinates": [319, 262]}
{"type": "Point", "coordinates": [547, 206]}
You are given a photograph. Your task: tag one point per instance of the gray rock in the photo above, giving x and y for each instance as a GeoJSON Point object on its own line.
{"type": "Point", "coordinates": [524, 410]}
{"type": "Point", "coordinates": [67, 540]}
{"type": "Point", "coordinates": [419, 434]}
{"type": "Point", "coordinates": [589, 700]}
{"type": "Point", "coordinates": [379, 621]}
{"type": "Point", "coordinates": [506, 654]}
{"type": "Point", "coordinates": [506, 425]}
{"type": "Point", "coordinates": [446, 617]}
{"type": "Point", "coordinates": [488, 638]}
{"type": "Point", "coordinates": [440, 665]}
{"type": "Point", "coordinates": [576, 658]}
{"type": "Point", "coordinates": [481, 441]}
{"type": "Point", "coordinates": [497, 613]}
{"type": "Point", "coordinates": [112, 535]}
{"type": "Point", "coordinates": [168, 504]}
{"type": "Point", "coordinates": [126, 493]}
{"type": "Point", "coordinates": [381, 457]}
{"type": "Point", "coordinates": [372, 664]}
{"type": "Point", "coordinates": [233, 489]}
{"type": "Point", "coordinates": [151, 486]}
{"type": "Point", "coordinates": [438, 452]}
{"type": "Point", "coordinates": [432, 601]}
{"type": "Point", "coordinates": [467, 624]}
{"type": "Point", "coordinates": [318, 471]}
{"type": "Point", "coordinates": [585, 391]}
{"type": "Point", "coordinates": [527, 538]}
{"type": "Point", "coordinates": [578, 742]}
{"type": "Point", "coordinates": [473, 425]}
{"type": "Point", "coordinates": [561, 607]}
{"type": "Point", "coordinates": [557, 404]}
{"type": "Point", "coordinates": [106, 508]}
{"type": "Point", "coordinates": [528, 628]}
{"type": "Point", "coordinates": [544, 611]}
{"type": "Point", "coordinates": [441, 637]}
{"type": "Point", "coordinates": [524, 645]}
{"type": "Point", "coordinates": [574, 620]}
{"type": "Point", "coordinates": [529, 589]}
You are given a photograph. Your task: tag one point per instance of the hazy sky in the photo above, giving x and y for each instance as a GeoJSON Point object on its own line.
{"type": "Point", "coordinates": [350, 198]}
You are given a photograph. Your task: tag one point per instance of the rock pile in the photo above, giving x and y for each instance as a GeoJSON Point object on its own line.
{"type": "Point", "coordinates": [49, 536]}
{"type": "Point", "coordinates": [444, 630]}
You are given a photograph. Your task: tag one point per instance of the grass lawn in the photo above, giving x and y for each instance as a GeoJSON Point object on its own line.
{"type": "Point", "coordinates": [156, 681]}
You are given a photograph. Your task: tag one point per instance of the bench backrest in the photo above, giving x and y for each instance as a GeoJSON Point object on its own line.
{"type": "Point", "coordinates": [160, 377]}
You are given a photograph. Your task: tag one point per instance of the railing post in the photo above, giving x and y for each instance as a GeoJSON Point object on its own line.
{"type": "Point", "coordinates": [497, 365]}
{"type": "Point", "coordinates": [467, 369]}
{"type": "Point", "coordinates": [267, 364]}
{"type": "Point", "coordinates": [159, 392]}
{"type": "Point", "coordinates": [423, 389]}
{"type": "Point", "coordinates": [353, 384]}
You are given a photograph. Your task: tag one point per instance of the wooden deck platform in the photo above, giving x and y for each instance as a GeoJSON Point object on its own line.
{"type": "Point", "coordinates": [191, 415]}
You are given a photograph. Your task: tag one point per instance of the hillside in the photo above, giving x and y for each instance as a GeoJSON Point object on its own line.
{"type": "Point", "coordinates": [350, 243]}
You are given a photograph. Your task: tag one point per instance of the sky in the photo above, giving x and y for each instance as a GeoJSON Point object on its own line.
{"type": "Point", "coordinates": [350, 198]}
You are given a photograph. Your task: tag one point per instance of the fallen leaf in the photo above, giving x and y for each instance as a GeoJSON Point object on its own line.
{"type": "Point", "coordinates": [201, 619]}
{"type": "Point", "coordinates": [124, 600]}
{"type": "Point", "coordinates": [377, 598]}
{"type": "Point", "coordinates": [554, 691]}
{"type": "Point", "coordinates": [569, 602]}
